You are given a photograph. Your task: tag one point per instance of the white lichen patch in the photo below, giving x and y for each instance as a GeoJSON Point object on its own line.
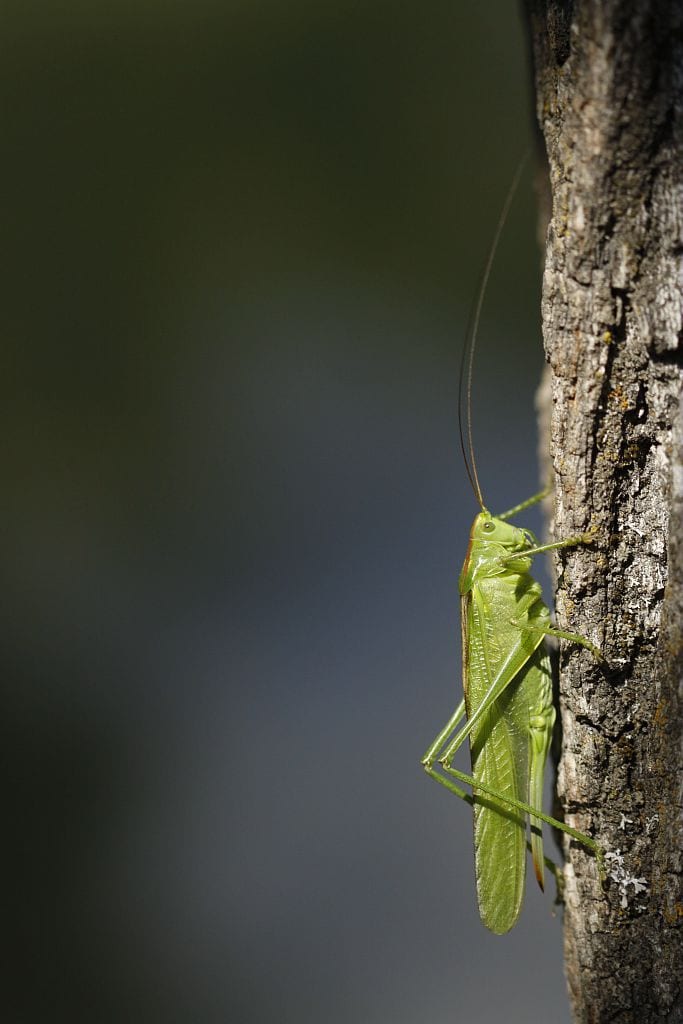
{"type": "Point", "coordinates": [644, 528]}
{"type": "Point", "coordinates": [618, 873]}
{"type": "Point", "coordinates": [651, 824]}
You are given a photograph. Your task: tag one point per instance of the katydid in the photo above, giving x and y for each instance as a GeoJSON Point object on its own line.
{"type": "Point", "coordinates": [507, 686]}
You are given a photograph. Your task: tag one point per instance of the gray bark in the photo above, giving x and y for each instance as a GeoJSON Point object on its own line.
{"type": "Point", "coordinates": [608, 82]}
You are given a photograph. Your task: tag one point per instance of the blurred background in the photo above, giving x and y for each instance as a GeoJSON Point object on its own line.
{"type": "Point", "coordinates": [241, 245]}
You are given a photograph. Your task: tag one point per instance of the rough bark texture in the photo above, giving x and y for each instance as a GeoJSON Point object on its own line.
{"type": "Point", "coordinates": [609, 91]}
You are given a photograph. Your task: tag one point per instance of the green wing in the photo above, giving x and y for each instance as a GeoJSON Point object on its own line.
{"type": "Point", "coordinates": [504, 671]}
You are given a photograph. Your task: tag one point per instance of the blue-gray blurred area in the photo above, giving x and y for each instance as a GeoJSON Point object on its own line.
{"type": "Point", "coordinates": [241, 241]}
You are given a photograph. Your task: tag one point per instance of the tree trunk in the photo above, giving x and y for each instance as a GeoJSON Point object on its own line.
{"type": "Point", "coordinates": [609, 93]}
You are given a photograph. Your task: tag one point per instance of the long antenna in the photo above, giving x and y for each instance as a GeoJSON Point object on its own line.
{"type": "Point", "coordinates": [468, 351]}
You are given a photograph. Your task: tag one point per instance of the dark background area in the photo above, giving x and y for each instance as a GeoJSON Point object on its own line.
{"type": "Point", "coordinates": [241, 241]}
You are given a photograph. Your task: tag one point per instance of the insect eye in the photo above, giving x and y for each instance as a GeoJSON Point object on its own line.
{"type": "Point", "coordinates": [488, 527]}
